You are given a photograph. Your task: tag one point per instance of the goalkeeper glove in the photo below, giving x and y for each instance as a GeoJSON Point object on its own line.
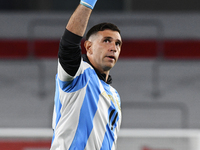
{"type": "Point", "coordinates": [88, 3]}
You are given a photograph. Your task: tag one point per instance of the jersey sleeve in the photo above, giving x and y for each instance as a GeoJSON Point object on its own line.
{"type": "Point", "coordinates": [69, 53]}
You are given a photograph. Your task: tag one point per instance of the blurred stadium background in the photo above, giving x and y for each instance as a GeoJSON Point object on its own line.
{"type": "Point", "coordinates": [157, 75]}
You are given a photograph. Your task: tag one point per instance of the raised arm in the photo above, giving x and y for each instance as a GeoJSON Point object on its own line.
{"type": "Point", "coordinates": [79, 19]}
{"type": "Point", "coordinates": [78, 22]}
{"type": "Point", "coordinates": [69, 50]}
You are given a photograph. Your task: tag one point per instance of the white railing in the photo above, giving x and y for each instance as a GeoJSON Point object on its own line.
{"type": "Point", "coordinates": [129, 139]}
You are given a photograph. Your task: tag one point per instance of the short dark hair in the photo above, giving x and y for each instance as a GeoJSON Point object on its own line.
{"type": "Point", "coordinates": [101, 27]}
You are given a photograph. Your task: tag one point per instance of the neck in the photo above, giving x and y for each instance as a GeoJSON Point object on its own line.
{"type": "Point", "coordinates": [100, 69]}
{"type": "Point", "coordinates": [102, 75]}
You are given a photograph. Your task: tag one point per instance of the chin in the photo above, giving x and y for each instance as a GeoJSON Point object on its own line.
{"type": "Point", "coordinates": [107, 68]}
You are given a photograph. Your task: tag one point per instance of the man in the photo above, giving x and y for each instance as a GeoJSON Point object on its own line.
{"type": "Point", "coordinates": [87, 113]}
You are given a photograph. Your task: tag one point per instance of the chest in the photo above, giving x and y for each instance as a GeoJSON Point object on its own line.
{"type": "Point", "coordinates": [112, 99]}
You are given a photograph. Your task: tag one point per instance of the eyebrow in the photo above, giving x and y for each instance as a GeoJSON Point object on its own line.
{"type": "Point", "coordinates": [118, 40]}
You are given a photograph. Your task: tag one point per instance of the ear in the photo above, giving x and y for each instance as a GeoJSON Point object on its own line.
{"type": "Point", "coordinates": [88, 45]}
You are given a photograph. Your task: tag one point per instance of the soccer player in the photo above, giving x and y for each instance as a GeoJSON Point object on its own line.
{"type": "Point", "coordinates": [87, 113]}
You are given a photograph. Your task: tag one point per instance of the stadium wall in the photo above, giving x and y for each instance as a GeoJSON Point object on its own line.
{"type": "Point", "coordinates": [178, 34]}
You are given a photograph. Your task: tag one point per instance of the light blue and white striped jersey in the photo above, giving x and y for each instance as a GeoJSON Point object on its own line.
{"type": "Point", "coordinates": [87, 113]}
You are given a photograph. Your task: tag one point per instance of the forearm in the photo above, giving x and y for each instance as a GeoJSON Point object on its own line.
{"type": "Point", "coordinates": [78, 22]}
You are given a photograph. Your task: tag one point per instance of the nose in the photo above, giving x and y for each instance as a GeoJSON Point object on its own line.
{"type": "Point", "coordinates": [113, 47]}
{"type": "Point", "coordinates": [113, 50]}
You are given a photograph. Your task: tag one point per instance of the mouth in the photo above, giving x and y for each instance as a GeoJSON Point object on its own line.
{"type": "Point", "coordinates": [111, 57]}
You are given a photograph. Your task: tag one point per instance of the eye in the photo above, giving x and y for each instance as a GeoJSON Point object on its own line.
{"type": "Point", "coordinates": [107, 41]}
{"type": "Point", "coordinates": [117, 43]}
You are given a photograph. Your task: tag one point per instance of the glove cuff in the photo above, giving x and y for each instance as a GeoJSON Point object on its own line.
{"type": "Point", "coordinates": [88, 3]}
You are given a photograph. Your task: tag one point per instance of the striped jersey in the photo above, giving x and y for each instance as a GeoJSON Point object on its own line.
{"type": "Point", "coordinates": [87, 113]}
